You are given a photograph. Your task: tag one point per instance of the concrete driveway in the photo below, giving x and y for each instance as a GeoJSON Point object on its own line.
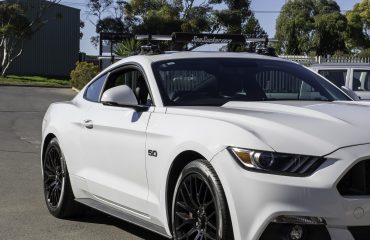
{"type": "Point", "coordinates": [23, 214]}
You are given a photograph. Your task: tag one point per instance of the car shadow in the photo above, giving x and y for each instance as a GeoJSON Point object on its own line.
{"type": "Point", "coordinates": [94, 216]}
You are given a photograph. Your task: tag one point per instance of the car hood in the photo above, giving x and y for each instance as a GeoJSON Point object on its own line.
{"type": "Point", "coordinates": [311, 128]}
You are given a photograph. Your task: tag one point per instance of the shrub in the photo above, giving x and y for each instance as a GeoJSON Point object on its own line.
{"type": "Point", "coordinates": [127, 48]}
{"type": "Point", "coordinates": [365, 53]}
{"type": "Point", "coordinates": [83, 73]}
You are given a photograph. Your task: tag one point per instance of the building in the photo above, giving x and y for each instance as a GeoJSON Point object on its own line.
{"type": "Point", "coordinates": [54, 49]}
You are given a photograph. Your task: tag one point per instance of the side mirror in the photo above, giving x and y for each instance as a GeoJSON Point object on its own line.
{"type": "Point", "coordinates": [122, 96]}
{"type": "Point", "coordinates": [350, 93]}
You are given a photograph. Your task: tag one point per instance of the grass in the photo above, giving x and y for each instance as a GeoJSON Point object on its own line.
{"type": "Point", "coordinates": [34, 81]}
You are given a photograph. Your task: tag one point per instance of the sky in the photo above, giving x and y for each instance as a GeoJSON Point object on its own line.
{"type": "Point", "coordinates": [266, 12]}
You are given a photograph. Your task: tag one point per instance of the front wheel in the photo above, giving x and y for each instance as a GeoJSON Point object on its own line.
{"type": "Point", "coordinates": [199, 207]}
{"type": "Point", "coordinates": [58, 193]}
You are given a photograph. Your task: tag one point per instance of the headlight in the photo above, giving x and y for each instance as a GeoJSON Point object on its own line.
{"type": "Point", "coordinates": [276, 163]}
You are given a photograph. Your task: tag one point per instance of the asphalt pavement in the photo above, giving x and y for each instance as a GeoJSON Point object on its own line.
{"type": "Point", "coordinates": [23, 214]}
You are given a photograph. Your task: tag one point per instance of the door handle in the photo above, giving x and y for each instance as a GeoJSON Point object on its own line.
{"type": "Point", "coordinates": [88, 124]}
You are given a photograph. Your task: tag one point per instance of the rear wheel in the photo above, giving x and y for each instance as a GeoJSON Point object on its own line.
{"type": "Point", "coordinates": [199, 208]}
{"type": "Point", "coordinates": [58, 193]}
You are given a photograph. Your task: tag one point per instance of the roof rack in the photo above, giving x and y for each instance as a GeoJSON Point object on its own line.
{"type": "Point", "coordinates": [261, 45]}
{"type": "Point", "coordinates": [256, 45]}
{"type": "Point", "coordinates": [204, 38]}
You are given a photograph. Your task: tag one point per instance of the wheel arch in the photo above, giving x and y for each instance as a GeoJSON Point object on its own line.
{"type": "Point", "coordinates": [178, 164]}
{"type": "Point", "coordinates": [46, 142]}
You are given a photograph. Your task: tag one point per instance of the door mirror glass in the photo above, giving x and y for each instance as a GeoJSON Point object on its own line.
{"type": "Point", "coordinates": [121, 95]}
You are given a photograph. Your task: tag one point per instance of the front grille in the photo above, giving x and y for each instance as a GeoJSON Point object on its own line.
{"type": "Point", "coordinates": [357, 181]}
{"type": "Point", "coordinates": [360, 233]}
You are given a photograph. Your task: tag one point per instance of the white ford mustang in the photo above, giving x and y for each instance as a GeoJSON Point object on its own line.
{"type": "Point", "coordinates": [212, 146]}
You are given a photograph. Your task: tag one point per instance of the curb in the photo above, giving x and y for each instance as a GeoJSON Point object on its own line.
{"type": "Point", "coordinates": [28, 85]}
{"type": "Point", "coordinates": [75, 89]}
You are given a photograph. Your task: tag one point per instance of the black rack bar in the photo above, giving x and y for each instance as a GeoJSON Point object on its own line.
{"type": "Point", "coordinates": [150, 37]}
{"type": "Point", "coordinates": [184, 37]}
{"type": "Point", "coordinates": [115, 37]}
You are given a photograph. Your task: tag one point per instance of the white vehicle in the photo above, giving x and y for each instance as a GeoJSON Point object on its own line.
{"type": "Point", "coordinates": [355, 76]}
{"type": "Point", "coordinates": [213, 146]}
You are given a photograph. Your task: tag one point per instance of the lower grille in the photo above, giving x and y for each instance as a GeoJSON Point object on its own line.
{"type": "Point", "coordinates": [357, 181]}
{"type": "Point", "coordinates": [281, 231]}
{"type": "Point", "coordinates": [360, 233]}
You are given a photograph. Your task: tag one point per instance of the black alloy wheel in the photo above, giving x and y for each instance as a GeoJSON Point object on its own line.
{"type": "Point", "coordinates": [199, 209]}
{"type": "Point", "coordinates": [54, 176]}
{"type": "Point", "coordinates": [58, 192]}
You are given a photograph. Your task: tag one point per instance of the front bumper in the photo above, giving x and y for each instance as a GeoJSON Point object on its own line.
{"type": "Point", "coordinates": [255, 199]}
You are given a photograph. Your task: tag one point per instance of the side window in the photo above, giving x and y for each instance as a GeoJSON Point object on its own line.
{"type": "Point", "coordinates": [134, 79]}
{"type": "Point", "coordinates": [361, 80]}
{"type": "Point", "coordinates": [93, 90]}
{"type": "Point", "coordinates": [338, 77]}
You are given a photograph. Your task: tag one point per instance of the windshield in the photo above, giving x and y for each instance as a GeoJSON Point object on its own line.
{"type": "Point", "coordinates": [216, 81]}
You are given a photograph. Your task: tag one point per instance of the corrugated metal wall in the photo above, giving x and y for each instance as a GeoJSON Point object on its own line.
{"type": "Point", "coordinates": [54, 49]}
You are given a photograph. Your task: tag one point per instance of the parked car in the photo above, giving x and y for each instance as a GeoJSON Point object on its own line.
{"type": "Point", "coordinates": [215, 146]}
{"type": "Point", "coordinates": [353, 76]}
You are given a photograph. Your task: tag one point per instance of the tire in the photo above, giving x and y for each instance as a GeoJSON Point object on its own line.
{"type": "Point", "coordinates": [199, 206]}
{"type": "Point", "coordinates": [58, 193]}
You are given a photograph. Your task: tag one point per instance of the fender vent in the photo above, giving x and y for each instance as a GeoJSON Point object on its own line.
{"type": "Point", "coordinates": [357, 181]}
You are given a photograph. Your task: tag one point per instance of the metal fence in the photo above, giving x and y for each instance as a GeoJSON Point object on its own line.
{"type": "Point", "coordinates": [307, 60]}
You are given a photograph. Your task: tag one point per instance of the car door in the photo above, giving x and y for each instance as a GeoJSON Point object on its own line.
{"type": "Point", "coordinates": [114, 146]}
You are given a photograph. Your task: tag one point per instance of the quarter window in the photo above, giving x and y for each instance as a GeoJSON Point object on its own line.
{"type": "Point", "coordinates": [93, 90]}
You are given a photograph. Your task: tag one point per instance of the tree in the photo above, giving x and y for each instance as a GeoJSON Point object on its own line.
{"type": "Point", "coordinates": [253, 29]}
{"type": "Point", "coordinates": [154, 16]}
{"type": "Point", "coordinates": [329, 34]}
{"type": "Point", "coordinates": [238, 18]}
{"type": "Point", "coordinates": [311, 25]}
{"type": "Point", "coordinates": [168, 16]}
{"type": "Point", "coordinates": [16, 26]}
{"type": "Point", "coordinates": [165, 17]}
{"type": "Point", "coordinates": [292, 42]}
{"type": "Point", "coordinates": [96, 8]}
{"type": "Point", "coordinates": [295, 14]}
{"type": "Point", "coordinates": [151, 17]}
{"type": "Point", "coordinates": [358, 35]}
{"type": "Point", "coordinates": [82, 26]}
